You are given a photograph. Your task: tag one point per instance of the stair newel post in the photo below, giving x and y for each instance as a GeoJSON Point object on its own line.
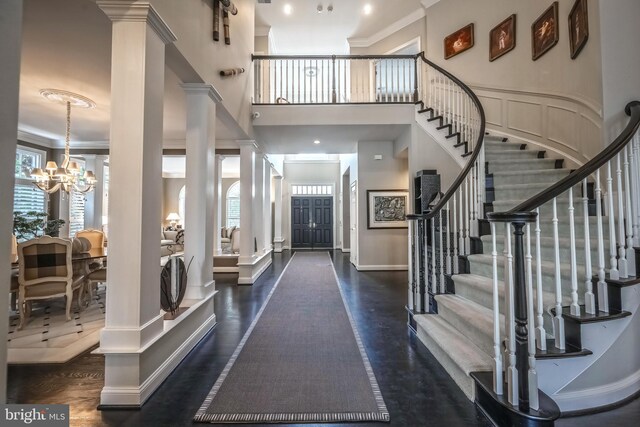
{"type": "Point", "coordinates": [541, 334]}
{"type": "Point", "coordinates": [441, 255]}
{"type": "Point", "coordinates": [611, 212]}
{"type": "Point", "coordinates": [334, 96]}
{"type": "Point", "coordinates": [532, 375]}
{"type": "Point", "coordinates": [622, 253]}
{"type": "Point", "coordinates": [603, 298]}
{"type": "Point", "coordinates": [589, 298]}
{"type": "Point", "coordinates": [498, 379]}
{"type": "Point", "coordinates": [456, 267]}
{"type": "Point", "coordinates": [411, 272]}
{"type": "Point", "coordinates": [631, 265]}
{"type": "Point", "coordinates": [520, 311]}
{"type": "Point", "coordinates": [575, 307]}
{"type": "Point", "coordinates": [558, 320]}
{"type": "Point", "coordinates": [448, 227]}
{"type": "Point", "coordinates": [422, 255]}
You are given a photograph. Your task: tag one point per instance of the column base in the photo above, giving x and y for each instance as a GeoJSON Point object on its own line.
{"type": "Point", "coordinates": [133, 374]}
{"type": "Point", "coordinates": [278, 245]}
{"type": "Point", "coordinates": [250, 269]}
{"type": "Point", "coordinates": [200, 292]}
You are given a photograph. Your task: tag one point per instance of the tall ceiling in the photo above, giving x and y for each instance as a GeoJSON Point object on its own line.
{"type": "Point", "coordinates": [307, 31]}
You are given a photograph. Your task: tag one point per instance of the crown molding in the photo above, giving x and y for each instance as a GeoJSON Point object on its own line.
{"type": "Point", "coordinates": [262, 30]}
{"type": "Point", "coordinates": [118, 10]}
{"type": "Point", "coordinates": [387, 31]}
{"type": "Point", "coordinates": [202, 88]}
{"type": "Point", "coordinates": [35, 139]}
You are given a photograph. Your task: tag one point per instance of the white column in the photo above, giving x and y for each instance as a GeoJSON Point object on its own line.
{"type": "Point", "coordinates": [266, 206]}
{"type": "Point", "coordinates": [64, 206]}
{"type": "Point", "coordinates": [217, 209]}
{"type": "Point", "coordinates": [133, 315]}
{"type": "Point", "coordinates": [247, 195]}
{"type": "Point", "coordinates": [277, 223]}
{"type": "Point", "coordinates": [10, 47]}
{"type": "Point", "coordinates": [258, 203]}
{"type": "Point", "coordinates": [199, 203]}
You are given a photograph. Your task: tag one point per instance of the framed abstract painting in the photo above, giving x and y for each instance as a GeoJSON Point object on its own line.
{"type": "Point", "coordinates": [387, 208]}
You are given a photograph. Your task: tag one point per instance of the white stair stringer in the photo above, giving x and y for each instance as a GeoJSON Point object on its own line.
{"type": "Point", "coordinates": [439, 136]}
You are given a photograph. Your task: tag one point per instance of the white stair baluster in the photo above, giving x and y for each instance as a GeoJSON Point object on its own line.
{"type": "Point", "coordinates": [434, 288]}
{"type": "Point", "coordinates": [531, 339]}
{"type": "Point", "coordinates": [541, 334]}
{"type": "Point", "coordinates": [575, 307]}
{"type": "Point", "coordinates": [497, 350]}
{"type": "Point", "coordinates": [613, 261]}
{"type": "Point", "coordinates": [558, 320]}
{"type": "Point", "coordinates": [603, 297]}
{"type": "Point", "coordinates": [467, 217]}
{"type": "Point", "coordinates": [622, 253]}
{"type": "Point", "coordinates": [635, 186]}
{"type": "Point", "coordinates": [589, 299]}
{"type": "Point", "coordinates": [510, 320]}
{"type": "Point", "coordinates": [628, 217]}
{"type": "Point", "coordinates": [461, 249]}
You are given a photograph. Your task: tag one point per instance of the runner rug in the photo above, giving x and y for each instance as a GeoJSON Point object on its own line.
{"type": "Point", "coordinates": [301, 360]}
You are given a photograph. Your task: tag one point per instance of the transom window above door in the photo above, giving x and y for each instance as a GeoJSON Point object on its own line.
{"type": "Point", "coordinates": [311, 190]}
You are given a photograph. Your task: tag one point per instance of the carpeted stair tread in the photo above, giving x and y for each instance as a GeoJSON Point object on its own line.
{"type": "Point", "coordinates": [548, 176]}
{"type": "Point", "coordinates": [470, 318]}
{"type": "Point", "coordinates": [454, 351]}
{"type": "Point", "coordinates": [492, 155]}
{"type": "Point", "coordinates": [499, 145]}
{"type": "Point", "coordinates": [521, 164]}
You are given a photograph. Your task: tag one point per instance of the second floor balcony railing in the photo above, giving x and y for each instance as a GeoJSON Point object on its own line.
{"type": "Point", "coordinates": [335, 79]}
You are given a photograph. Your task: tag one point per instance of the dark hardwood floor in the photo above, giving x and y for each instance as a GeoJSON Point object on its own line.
{"type": "Point", "coordinates": [416, 389]}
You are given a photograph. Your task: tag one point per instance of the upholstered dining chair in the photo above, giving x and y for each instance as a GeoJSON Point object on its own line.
{"type": "Point", "coordinates": [96, 238]}
{"type": "Point", "coordinates": [95, 277]}
{"type": "Point", "coordinates": [45, 271]}
{"type": "Point", "coordinates": [14, 272]}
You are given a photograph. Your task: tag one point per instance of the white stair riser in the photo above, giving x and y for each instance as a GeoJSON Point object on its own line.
{"type": "Point", "coordinates": [548, 176]}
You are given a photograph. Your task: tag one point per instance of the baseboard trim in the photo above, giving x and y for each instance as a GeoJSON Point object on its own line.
{"type": "Point", "coordinates": [257, 267]}
{"type": "Point", "coordinates": [360, 267]}
{"type": "Point", "coordinates": [346, 250]}
{"type": "Point", "coordinates": [226, 269]}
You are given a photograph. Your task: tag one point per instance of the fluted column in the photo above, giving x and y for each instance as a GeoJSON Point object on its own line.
{"type": "Point", "coordinates": [199, 196]}
{"type": "Point", "coordinates": [266, 206]}
{"type": "Point", "coordinates": [217, 209]}
{"type": "Point", "coordinates": [247, 195]}
{"type": "Point", "coordinates": [277, 221]}
{"type": "Point", "coordinates": [258, 203]}
{"type": "Point", "coordinates": [10, 49]}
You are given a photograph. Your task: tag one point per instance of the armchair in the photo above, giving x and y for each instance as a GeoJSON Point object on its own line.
{"type": "Point", "coordinates": [45, 271]}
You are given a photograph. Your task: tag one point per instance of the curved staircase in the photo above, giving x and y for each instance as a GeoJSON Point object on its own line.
{"type": "Point", "coordinates": [522, 276]}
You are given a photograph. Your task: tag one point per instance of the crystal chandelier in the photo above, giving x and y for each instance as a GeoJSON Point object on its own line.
{"type": "Point", "coordinates": [68, 175]}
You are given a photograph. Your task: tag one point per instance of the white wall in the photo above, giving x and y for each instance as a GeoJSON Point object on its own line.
{"type": "Point", "coordinates": [555, 101]}
{"type": "Point", "coordinates": [380, 248]}
{"type": "Point", "coordinates": [191, 21]}
{"type": "Point", "coordinates": [412, 31]}
{"type": "Point", "coordinates": [308, 173]}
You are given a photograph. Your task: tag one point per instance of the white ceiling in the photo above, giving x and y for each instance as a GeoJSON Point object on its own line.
{"type": "Point", "coordinates": [67, 45]}
{"type": "Point", "coordinates": [333, 139]}
{"type": "Point", "coordinates": [307, 32]}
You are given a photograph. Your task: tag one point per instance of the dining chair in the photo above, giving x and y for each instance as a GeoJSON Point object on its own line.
{"type": "Point", "coordinates": [96, 238]}
{"type": "Point", "coordinates": [95, 277]}
{"type": "Point", "coordinates": [45, 271]}
{"type": "Point", "coordinates": [13, 290]}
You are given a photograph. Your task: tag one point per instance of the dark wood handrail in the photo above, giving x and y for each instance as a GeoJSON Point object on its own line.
{"type": "Point", "coordinates": [633, 110]}
{"type": "Point", "coordinates": [330, 57]}
{"type": "Point", "coordinates": [476, 151]}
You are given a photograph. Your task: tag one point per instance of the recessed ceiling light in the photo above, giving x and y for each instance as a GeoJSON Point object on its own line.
{"type": "Point", "coordinates": [319, 8]}
{"type": "Point", "coordinates": [367, 9]}
{"type": "Point", "coordinates": [288, 9]}
{"type": "Point", "coordinates": [317, 141]}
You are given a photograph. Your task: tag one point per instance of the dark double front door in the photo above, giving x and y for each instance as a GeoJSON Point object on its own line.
{"type": "Point", "coordinates": [312, 222]}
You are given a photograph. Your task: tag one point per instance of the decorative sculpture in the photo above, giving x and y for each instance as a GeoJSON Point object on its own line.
{"type": "Point", "coordinates": [231, 72]}
{"type": "Point", "coordinates": [227, 8]}
{"type": "Point", "coordinates": [173, 284]}
{"type": "Point", "coordinates": [216, 20]}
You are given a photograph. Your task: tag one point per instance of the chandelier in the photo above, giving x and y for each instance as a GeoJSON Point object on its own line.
{"type": "Point", "coordinates": [68, 175]}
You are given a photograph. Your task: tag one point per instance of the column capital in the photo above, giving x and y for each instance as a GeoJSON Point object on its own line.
{"type": "Point", "coordinates": [203, 89]}
{"type": "Point", "coordinates": [135, 11]}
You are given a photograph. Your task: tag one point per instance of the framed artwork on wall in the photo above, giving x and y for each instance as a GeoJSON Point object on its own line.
{"type": "Point", "coordinates": [387, 208]}
{"type": "Point", "coordinates": [578, 27]}
{"type": "Point", "coordinates": [544, 32]}
{"type": "Point", "coordinates": [458, 41]}
{"type": "Point", "coordinates": [502, 38]}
